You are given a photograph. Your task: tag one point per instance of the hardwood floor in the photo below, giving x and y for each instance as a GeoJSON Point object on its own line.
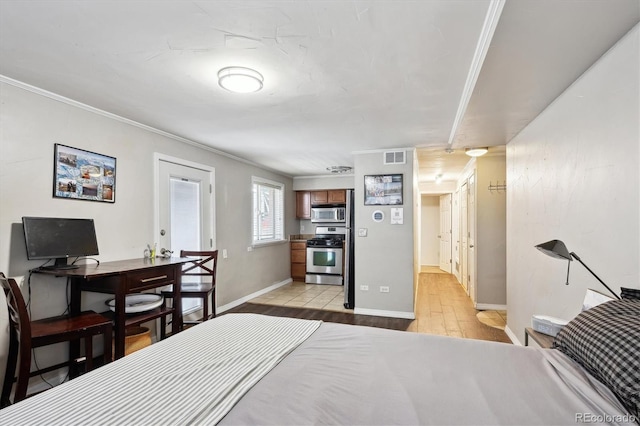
{"type": "Point", "coordinates": [442, 307]}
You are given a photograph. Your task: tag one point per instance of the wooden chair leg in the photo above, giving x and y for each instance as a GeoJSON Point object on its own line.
{"type": "Point", "coordinates": [205, 308]}
{"type": "Point", "coordinates": [22, 381]}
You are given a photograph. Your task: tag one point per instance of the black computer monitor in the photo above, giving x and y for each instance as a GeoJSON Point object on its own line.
{"type": "Point", "coordinates": [59, 239]}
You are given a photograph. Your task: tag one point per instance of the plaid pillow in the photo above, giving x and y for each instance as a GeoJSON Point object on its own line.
{"type": "Point", "coordinates": [605, 340]}
{"type": "Point", "coordinates": [630, 293]}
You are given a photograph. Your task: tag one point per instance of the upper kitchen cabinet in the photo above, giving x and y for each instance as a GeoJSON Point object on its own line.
{"type": "Point", "coordinates": [337, 196]}
{"type": "Point", "coordinates": [332, 196]}
{"type": "Point", "coordinates": [303, 205]}
{"type": "Point", "coordinates": [319, 197]}
{"type": "Point", "coordinates": [306, 199]}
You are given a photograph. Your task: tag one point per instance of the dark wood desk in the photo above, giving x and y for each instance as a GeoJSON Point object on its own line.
{"type": "Point", "coordinates": [121, 278]}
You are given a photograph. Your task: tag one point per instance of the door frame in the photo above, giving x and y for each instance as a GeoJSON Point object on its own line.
{"type": "Point", "coordinates": [157, 158]}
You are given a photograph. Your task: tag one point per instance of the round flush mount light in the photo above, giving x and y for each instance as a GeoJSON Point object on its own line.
{"type": "Point", "coordinates": [240, 79]}
{"type": "Point", "coordinates": [476, 152]}
{"type": "Point", "coordinates": [339, 169]}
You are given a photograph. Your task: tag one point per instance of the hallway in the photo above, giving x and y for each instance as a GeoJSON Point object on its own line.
{"type": "Point", "coordinates": [442, 307]}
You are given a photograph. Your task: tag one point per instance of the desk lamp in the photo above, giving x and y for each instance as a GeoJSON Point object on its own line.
{"type": "Point", "coordinates": [557, 249]}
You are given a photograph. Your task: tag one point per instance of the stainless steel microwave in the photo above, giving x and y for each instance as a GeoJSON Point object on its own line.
{"type": "Point", "coordinates": [327, 214]}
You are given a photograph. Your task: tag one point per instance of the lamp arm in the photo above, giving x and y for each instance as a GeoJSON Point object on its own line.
{"type": "Point", "coordinates": [576, 257]}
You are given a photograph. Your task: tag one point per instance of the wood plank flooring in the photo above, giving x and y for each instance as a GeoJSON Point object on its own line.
{"type": "Point", "coordinates": [442, 307]}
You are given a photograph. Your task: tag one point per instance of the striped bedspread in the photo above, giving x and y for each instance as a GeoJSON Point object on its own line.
{"type": "Point", "coordinates": [194, 377]}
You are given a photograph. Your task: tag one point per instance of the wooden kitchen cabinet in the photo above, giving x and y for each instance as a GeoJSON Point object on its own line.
{"type": "Point", "coordinates": [303, 205]}
{"type": "Point", "coordinates": [332, 196]}
{"type": "Point", "coordinates": [319, 197]}
{"type": "Point", "coordinates": [298, 260]}
{"type": "Point", "coordinates": [337, 196]}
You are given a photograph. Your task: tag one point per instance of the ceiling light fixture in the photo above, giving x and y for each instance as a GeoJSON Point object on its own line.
{"type": "Point", "coordinates": [439, 178]}
{"type": "Point", "coordinates": [240, 79]}
{"type": "Point", "coordinates": [339, 169]}
{"type": "Point", "coordinates": [476, 152]}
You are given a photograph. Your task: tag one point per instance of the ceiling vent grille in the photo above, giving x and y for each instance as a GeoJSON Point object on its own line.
{"type": "Point", "coordinates": [394, 157]}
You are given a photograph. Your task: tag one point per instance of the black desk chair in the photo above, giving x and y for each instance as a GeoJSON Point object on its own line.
{"type": "Point", "coordinates": [203, 265]}
{"type": "Point", "coordinates": [24, 335]}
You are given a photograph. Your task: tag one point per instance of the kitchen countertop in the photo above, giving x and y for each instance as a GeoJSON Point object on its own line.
{"type": "Point", "coordinates": [300, 237]}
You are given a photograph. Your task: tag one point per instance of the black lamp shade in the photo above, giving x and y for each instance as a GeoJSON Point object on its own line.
{"type": "Point", "coordinates": [555, 248]}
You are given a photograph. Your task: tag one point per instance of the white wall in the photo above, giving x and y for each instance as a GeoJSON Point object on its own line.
{"type": "Point", "coordinates": [311, 183]}
{"type": "Point", "coordinates": [429, 241]}
{"type": "Point", "coordinates": [385, 257]}
{"type": "Point", "coordinates": [491, 233]}
{"type": "Point", "coordinates": [572, 174]}
{"type": "Point", "coordinates": [30, 124]}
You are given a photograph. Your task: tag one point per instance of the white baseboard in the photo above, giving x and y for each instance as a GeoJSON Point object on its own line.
{"type": "Point", "coordinates": [512, 336]}
{"type": "Point", "coordinates": [490, 307]}
{"type": "Point", "coordinates": [389, 314]}
{"type": "Point", "coordinates": [244, 299]}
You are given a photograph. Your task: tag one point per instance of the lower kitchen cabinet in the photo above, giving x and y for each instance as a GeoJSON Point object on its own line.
{"type": "Point", "coordinates": [298, 260]}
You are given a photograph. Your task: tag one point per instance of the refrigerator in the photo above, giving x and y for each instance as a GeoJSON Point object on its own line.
{"type": "Point", "coordinates": [349, 279]}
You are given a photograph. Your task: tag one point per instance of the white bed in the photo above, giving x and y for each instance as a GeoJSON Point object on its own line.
{"type": "Point", "coordinates": [254, 369]}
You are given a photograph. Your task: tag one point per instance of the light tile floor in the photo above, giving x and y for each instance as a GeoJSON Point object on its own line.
{"type": "Point", "coordinates": [299, 294]}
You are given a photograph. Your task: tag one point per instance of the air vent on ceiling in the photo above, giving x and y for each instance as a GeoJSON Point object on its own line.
{"type": "Point", "coordinates": [394, 157]}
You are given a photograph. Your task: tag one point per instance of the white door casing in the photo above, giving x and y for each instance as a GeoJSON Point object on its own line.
{"type": "Point", "coordinates": [445, 233]}
{"type": "Point", "coordinates": [471, 240]}
{"type": "Point", "coordinates": [463, 236]}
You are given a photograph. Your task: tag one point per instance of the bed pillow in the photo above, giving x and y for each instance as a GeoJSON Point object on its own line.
{"type": "Point", "coordinates": [605, 340]}
{"type": "Point", "coordinates": [630, 293]}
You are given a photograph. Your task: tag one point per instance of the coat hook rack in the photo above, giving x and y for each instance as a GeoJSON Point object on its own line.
{"type": "Point", "coordinates": [498, 187]}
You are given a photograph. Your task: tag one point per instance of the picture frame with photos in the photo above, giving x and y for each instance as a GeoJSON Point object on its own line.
{"type": "Point", "coordinates": [383, 190]}
{"type": "Point", "coordinates": [79, 174]}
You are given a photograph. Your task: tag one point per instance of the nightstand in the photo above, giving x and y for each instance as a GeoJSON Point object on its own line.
{"type": "Point", "coordinates": [543, 340]}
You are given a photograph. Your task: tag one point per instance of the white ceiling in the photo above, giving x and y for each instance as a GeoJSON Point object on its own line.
{"type": "Point", "coordinates": [340, 76]}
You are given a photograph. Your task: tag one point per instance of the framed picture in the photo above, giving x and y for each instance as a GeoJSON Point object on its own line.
{"type": "Point", "coordinates": [383, 190]}
{"type": "Point", "coordinates": [83, 175]}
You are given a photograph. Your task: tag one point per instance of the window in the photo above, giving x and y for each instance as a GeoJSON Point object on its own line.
{"type": "Point", "coordinates": [268, 211]}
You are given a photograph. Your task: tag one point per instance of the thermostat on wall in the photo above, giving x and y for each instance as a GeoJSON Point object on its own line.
{"type": "Point", "coordinates": [378, 216]}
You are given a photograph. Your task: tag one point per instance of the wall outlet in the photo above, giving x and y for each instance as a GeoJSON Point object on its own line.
{"type": "Point", "coordinates": [384, 289]}
{"type": "Point", "coordinates": [224, 253]}
{"type": "Point", "coordinates": [301, 228]}
{"type": "Point", "coordinates": [249, 248]}
{"type": "Point", "coordinates": [364, 287]}
{"type": "Point", "coordinates": [362, 232]}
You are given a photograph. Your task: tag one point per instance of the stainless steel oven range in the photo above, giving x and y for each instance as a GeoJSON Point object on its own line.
{"type": "Point", "coordinates": [325, 255]}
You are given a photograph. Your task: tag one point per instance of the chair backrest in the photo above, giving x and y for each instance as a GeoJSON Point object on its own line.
{"type": "Point", "coordinates": [204, 264]}
{"type": "Point", "coordinates": [19, 340]}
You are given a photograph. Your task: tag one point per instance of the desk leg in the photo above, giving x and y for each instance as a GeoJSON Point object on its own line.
{"type": "Point", "coordinates": [75, 307]}
{"type": "Point", "coordinates": [176, 317]}
{"type": "Point", "coordinates": [120, 319]}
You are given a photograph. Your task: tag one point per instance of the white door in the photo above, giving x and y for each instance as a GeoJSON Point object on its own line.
{"type": "Point", "coordinates": [471, 257]}
{"type": "Point", "coordinates": [445, 233]}
{"type": "Point", "coordinates": [185, 219]}
{"type": "Point", "coordinates": [463, 236]}
{"type": "Point", "coordinates": [455, 232]}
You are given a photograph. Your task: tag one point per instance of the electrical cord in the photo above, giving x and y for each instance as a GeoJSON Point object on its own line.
{"type": "Point", "coordinates": [86, 258]}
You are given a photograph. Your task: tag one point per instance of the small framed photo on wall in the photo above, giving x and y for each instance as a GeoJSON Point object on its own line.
{"type": "Point", "coordinates": [83, 175]}
{"type": "Point", "coordinates": [383, 190]}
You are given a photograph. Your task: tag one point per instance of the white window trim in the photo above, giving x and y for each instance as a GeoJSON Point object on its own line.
{"type": "Point", "coordinates": [279, 185]}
